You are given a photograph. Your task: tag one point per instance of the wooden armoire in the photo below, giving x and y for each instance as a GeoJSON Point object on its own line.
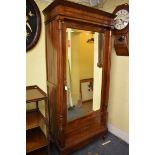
{"type": "Point", "coordinates": [60, 15]}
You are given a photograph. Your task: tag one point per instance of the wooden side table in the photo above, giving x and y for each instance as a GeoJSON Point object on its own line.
{"type": "Point", "coordinates": [36, 141]}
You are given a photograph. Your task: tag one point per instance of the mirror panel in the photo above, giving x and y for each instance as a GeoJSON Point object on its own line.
{"type": "Point", "coordinates": [83, 74]}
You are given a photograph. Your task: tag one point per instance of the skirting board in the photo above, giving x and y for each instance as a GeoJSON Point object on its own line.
{"type": "Point", "coordinates": [119, 133]}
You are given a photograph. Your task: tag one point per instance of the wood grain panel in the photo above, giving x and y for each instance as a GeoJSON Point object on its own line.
{"type": "Point", "coordinates": [92, 120]}
{"type": "Point", "coordinates": [52, 93]}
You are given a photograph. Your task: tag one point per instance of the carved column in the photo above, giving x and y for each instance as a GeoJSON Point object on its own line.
{"type": "Point", "coordinates": [107, 43]}
{"type": "Point", "coordinates": [61, 123]}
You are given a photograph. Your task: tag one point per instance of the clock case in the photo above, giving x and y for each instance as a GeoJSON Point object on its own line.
{"type": "Point", "coordinates": [37, 29]}
{"type": "Point", "coordinates": [121, 41]}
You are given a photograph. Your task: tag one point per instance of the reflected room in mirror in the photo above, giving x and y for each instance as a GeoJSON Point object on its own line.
{"type": "Point", "coordinates": [82, 73]}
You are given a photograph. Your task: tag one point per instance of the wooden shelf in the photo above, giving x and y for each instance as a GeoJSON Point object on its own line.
{"type": "Point", "coordinates": [35, 139]}
{"type": "Point", "coordinates": [32, 119]}
{"type": "Point", "coordinates": [34, 93]}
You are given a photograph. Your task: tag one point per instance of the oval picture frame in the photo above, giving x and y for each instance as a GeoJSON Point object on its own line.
{"type": "Point", "coordinates": [33, 24]}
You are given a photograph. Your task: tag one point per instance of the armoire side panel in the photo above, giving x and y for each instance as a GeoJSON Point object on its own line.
{"type": "Point", "coordinates": [55, 78]}
{"type": "Point", "coordinates": [51, 55]}
{"type": "Point", "coordinates": [51, 69]}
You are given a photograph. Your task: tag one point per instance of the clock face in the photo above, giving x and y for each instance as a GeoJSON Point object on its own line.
{"type": "Point", "coordinates": [122, 19]}
{"type": "Point", "coordinates": [33, 24]}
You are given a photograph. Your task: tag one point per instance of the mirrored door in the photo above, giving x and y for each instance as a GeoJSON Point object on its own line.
{"type": "Point", "coordinates": [83, 74]}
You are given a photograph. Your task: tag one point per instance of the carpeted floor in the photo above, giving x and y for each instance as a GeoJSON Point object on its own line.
{"type": "Point", "coordinates": [79, 111]}
{"type": "Point", "coordinates": [115, 147]}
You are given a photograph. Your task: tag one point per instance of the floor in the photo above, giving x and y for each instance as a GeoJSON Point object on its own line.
{"type": "Point", "coordinates": [115, 147]}
{"type": "Point", "coordinates": [79, 111]}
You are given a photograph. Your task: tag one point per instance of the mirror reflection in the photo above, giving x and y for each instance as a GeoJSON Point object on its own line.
{"type": "Point", "coordinates": [83, 75]}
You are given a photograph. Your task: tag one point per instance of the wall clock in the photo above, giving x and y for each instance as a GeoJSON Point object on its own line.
{"type": "Point", "coordinates": [121, 30]}
{"type": "Point", "coordinates": [33, 24]}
